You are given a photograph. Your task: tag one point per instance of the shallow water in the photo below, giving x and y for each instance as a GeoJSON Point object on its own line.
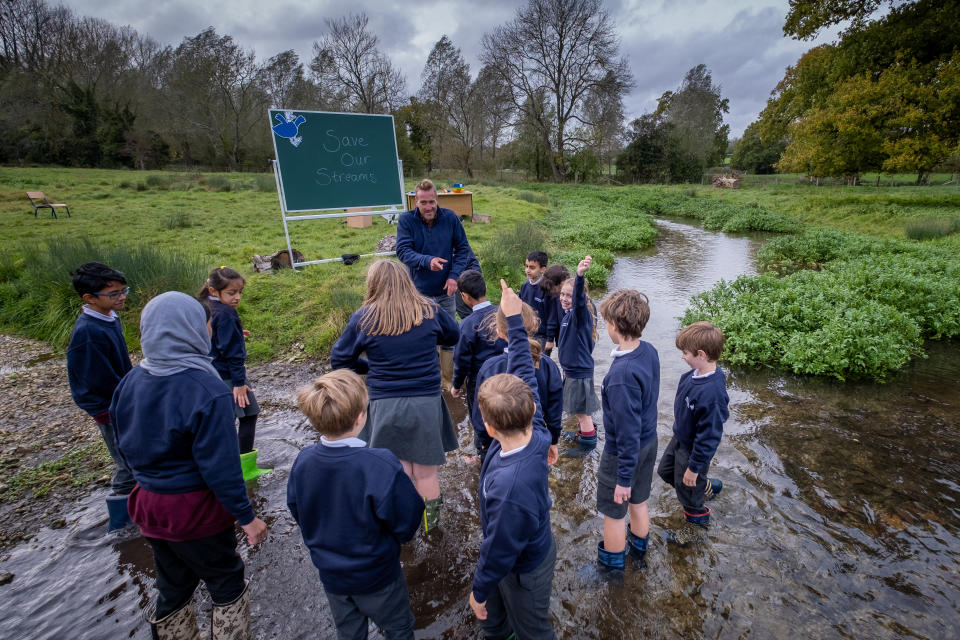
{"type": "Point", "coordinates": [839, 516]}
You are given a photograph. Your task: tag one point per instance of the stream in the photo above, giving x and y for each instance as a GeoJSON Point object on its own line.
{"type": "Point", "coordinates": [839, 516]}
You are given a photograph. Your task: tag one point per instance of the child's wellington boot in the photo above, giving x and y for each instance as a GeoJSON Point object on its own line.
{"type": "Point", "coordinates": [431, 514]}
{"type": "Point", "coordinates": [638, 547]}
{"type": "Point", "coordinates": [713, 488]}
{"type": "Point", "coordinates": [614, 561]}
{"type": "Point", "coordinates": [117, 511]}
{"type": "Point", "coordinates": [179, 625]}
{"type": "Point", "coordinates": [582, 444]}
{"type": "Point", "coordinates": [694, 530]}
{"type": "Point", "coordinates": [231, 621]}
{"type": "Point", "coordinates": [248, 464]}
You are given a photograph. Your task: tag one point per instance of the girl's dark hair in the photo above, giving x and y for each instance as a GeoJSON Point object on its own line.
{"type": "Point", "coordinates": [95, 276]}
{"type": "Point", "coordinates": [553, 279]}
{"type": "Point", "coordinates": [218, 280]}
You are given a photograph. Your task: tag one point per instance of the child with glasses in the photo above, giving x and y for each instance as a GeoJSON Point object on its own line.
{"type": "Point", "coordinates": [97, 358]}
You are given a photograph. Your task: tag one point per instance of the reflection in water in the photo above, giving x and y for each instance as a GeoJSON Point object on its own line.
{"type": "Point", "coordinates": [839, 517]}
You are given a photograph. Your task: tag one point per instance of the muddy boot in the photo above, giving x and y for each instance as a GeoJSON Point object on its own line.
{"type": "Point", "coordinates": [248, 464]}
{"type": "Point", "coordinates": [179, 625]}
{"type": "Point", "coordinates": [431, 515]}
{"type": "Point", "coordinates": [638, 548]}
{"type": "Point", "coordinates": [613, 562]}
{"type": "Point", "coordinates": [446, 367]}
{"type": "Point", "coordinates": [117, 512]}
{"type": "Point", "coordinates": [694, 530]}
{"type": "Point", "coordinates": [231, 621]}
{"type": "Point", "coordinates": [713, 489]}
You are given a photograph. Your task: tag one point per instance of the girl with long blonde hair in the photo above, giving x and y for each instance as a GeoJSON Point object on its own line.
{"type": "Point", "coordinates": [399, 330]}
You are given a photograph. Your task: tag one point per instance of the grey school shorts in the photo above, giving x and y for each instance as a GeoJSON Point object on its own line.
{"type": "Point", "coordinates": [639, 488]}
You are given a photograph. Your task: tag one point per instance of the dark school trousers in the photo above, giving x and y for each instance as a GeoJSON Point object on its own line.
{"type": "Point", "coordinates": [122, 482]}
{"type": "Point", "coordinates": [673, 465]}
{"type": "Point", "coordinates": [389, 608]}
{"type": "Point", "coordinates": [182, 565]}
{"type": "Point", "coordinates": [521, 604]}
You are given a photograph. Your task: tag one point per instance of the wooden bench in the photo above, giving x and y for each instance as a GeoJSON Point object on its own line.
{"type": "Point", "coordinates": [39, 201]}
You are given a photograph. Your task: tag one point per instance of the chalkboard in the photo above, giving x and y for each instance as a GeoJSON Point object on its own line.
{"type": "Point", "coordinates": [336, 160]}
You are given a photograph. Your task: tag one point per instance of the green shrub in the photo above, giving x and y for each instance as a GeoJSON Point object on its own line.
{"type": "Point", "coordinates": [178, 220]}
{"type": "Point", "coordinates": [219, 183]}
{"type": "Point", "coordinates": [41, 290]}
{"type": "Point", "coordinates": [266, 183]}
{"type": "Point", "coordinates": [815, 247]}
{"type": "Point", "coordinates": [503, 255]}
{"type": "Point", "coordinates": [929, 228]}
{"type": "Point", "coordinates": [159, 181]}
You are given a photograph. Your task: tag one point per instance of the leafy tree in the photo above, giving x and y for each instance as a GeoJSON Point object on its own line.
{"type": "Point", "coordinates": [755, 154]}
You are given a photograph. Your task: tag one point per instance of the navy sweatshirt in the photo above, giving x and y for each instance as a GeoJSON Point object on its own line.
{"type": "Point", "coordinates": [475, 346]}
{"type": "Point", "coordinates": [397, 366]}
{"type": "Point", "coordinates": [227, 346]}
{"type": "Point", "coordinates": [554, 313]}
{"type": "Point", "coordinates": [176, 433]}
{"type": "Point", "coordinates": [699, 411]}
{"type": "Point", "coordinates": [550, 392]}
{"type": "Point", "coordinates": [97, 359]}
{"type": "Point", "coordinates": [575, 342]}
{"type": "Point", "coordinates": [630, 391]}
{"type": "Point", "coordinates": [513, 490]}
{"type": "Point", "coordinates": [355, 507]}
{"type": "Point", "coordinates": [540, 302]}
{"type": "Point", "coordinates": [418, 243]}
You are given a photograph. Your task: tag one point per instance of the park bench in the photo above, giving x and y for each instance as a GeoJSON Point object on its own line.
{"type": "Point", "coordinates": [39, 201]}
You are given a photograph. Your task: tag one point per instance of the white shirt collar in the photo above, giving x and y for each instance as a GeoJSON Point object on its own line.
{"type": "Point", "coordinates": [96, 314]}
{"type": "Point", "coordinates": [343, 442]}
{"type": "Point", "coordinates": [505, 454]}
{"type": "Point", "coordinates": [214, 298]}
{"type": "Point", "coordinates": [616, 353]}
{"type": "Point", "coordinates": [482, 305]}
{"type": "Point", "coordinates": [537, 281]}
{"type": "Point", "coordinates": [705, 375]}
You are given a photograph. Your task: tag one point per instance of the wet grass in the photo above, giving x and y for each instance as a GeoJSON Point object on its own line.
{"type": "Point", "coordinates": [79, 468]}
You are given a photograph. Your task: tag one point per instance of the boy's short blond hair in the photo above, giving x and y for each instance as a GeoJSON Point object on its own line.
{"type": "Point", "coordinates": [333, 401]}
{"type": "Point", "coordinates": [507, 403]}
{"type": "Point", "coordinates": [701, 336]}
{"type": "Point", "coordinates": [628, 310]}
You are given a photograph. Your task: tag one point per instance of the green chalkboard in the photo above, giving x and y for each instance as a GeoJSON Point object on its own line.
{"type": "Point", "coordinates": [335, 160]}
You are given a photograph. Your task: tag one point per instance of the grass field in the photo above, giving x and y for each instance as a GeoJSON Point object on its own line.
{"type": "Point", "coordinates": [207, 220]}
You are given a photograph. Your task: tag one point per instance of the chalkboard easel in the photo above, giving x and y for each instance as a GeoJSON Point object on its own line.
{"type": "Point", "coordinates": [327, 161]}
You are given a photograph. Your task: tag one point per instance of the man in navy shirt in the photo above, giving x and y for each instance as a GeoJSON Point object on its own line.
{"type": "Point", "coordinates": [432, 244]}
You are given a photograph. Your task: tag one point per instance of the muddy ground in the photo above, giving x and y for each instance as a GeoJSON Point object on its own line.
{"type": "Point", "coordinates": [39, 423]}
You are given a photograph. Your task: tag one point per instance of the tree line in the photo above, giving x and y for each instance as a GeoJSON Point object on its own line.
{"type": "Point", "coordinates": [547, 100]}
{"type": "Point", "coordinates": [884, 97]}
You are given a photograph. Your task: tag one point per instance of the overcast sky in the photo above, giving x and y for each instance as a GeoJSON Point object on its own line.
{"type": "Point", "coordinates": [741, 41]}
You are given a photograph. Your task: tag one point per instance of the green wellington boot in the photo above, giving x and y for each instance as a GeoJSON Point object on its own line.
{"type": "Point", "coordinates": [431, 514]}
{"type": "Point", "coordinates": [248, 464]}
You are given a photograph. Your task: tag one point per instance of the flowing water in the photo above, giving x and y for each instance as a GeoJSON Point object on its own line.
{"type": "Point", "coordinates": [839, 516]}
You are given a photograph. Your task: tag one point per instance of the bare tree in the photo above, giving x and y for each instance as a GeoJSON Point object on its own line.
{"type": "Point", "coordinates": [348, 57]}
{"type": "Point", "coordinates": [497, 109]}
{"type": "Point", "coordinates": [444, 61]}
{"type": "Point", "coordinates": [565, 48]}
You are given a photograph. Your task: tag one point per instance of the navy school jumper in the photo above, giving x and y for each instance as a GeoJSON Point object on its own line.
{"type": "Point", "coordinates": [575, 342]}
{"type": "Point", "coordinates": [540, 302]}
{"type": "Point", "coordinates": [418, 243]}
{"type": "Point", "coordinates": [227, 346]}
{"type": "Point", "coordinates": [475, 346]}
{"type": "Point", "coordinates": [397, 366]}
{"type": "Point", "coordinates": [97, 359]}
{"type": "Point", "coordinates": [630, 391]}
{"type": "Point", "coordinates": [513, 492]}
{"type": "Point", "coordinates": [699, 411]}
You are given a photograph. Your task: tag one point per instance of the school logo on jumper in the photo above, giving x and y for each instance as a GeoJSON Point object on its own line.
{"type": "Point", "coordinates": [289, 127]}
{"type": "Point", "coordinates": [690, 406]}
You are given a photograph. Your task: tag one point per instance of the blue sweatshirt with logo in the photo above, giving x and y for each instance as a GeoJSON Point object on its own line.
{"type": "Point", "coordinates": [97, 359]}
{"type": "Point", "coordinates": [514, 494]}
{"type": "Point", "coordinates": [699, 411]}
{"type": "Point", "coordinates": [418, 243]}
{"type": "Point", "coordinates": [397, 366]}
{"type": "Point", "coordinates": [629, 394]}
{"type": "Point", "coordinates": [540, 302]}
{"type": "Point", "coordinates": [355, 507]}
{"type": "Point", "coordinates": [176, 434]}
{"type": "Point", "coordinates": [575, 342]}
{"type": "Point", "coordinates": [227, 346]}
{"type": "Point", "coordinates": [475, 346]}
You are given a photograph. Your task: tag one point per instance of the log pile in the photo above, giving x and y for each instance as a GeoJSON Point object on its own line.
{"type": "Point", "coordinates": [726, 181]}
{"type": "Point", "coordinates": [275, 261]}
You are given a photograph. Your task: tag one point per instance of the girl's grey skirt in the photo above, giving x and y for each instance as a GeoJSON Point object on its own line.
{"type": "Point", "coordinates": [579, 395]}
{"type": "Point", "coordinates": [417, 429]}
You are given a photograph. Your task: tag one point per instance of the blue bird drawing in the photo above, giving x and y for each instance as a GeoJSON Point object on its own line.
{"type": "Point", "coordinates": [289, 127]}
